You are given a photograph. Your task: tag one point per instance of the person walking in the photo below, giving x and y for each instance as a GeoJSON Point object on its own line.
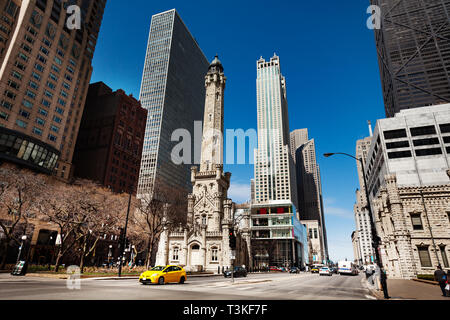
{"type": "Point", "coordinates": [441, 277]}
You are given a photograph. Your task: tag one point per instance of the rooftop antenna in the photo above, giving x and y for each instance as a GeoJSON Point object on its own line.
{"type": "Point", "coordinates": [370, 128]}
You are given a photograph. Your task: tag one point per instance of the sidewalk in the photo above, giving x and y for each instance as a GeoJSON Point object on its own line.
{"type": "Point", "coordinates": [411, 290]}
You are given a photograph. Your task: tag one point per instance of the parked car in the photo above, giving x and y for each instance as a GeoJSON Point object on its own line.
{"type": "Point", "coordinates": [238, 272]}
{"type": "Point", "coordinates": [162, 275]}
{"type": "Point", "coordinates": [275, 269]}
{"type": "Point", "coordinates": [294, 270]}
{"type": "Point", "coordinates": [325, 271]}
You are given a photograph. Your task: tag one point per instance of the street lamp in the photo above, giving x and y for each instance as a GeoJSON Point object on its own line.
{"type": "Point", "coordinates": [375, 238]}
{"type": "Point", "coordinates": [24, 238]}
{"type": "Point", "coordinates": [122, 244]}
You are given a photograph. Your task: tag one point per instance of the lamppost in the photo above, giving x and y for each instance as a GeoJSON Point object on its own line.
{"type": "Point", "coordinates": [122, 244]}
{"type": "Point", "coordinates": [375, 238]}
{"type": "Point", "coordinates": [20, 248]}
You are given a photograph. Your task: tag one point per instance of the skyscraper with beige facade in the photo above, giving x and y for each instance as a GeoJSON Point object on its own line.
{"type": "Point", "coordinates": [45, 70]}
{"type": "Point", "coordinates": [309, 187]}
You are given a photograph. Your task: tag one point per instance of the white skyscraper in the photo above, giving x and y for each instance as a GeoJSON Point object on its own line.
{"type": "Point", "coordinates": [274, 170]}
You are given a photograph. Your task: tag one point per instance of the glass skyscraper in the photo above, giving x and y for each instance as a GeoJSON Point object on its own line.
{"type": "Point", "coordinates": [173, 92]}
{"type": "Point", "coordinates": [413, 46]}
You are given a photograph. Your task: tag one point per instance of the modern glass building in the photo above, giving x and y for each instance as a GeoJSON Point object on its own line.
{"type": "Point", "coordinates": [173, 92]}
{"type": "Point", "coordinates": [413, 46]}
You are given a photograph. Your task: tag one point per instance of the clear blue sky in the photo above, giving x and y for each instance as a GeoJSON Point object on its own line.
{"type": "Point", "coordinates": [328, 57]}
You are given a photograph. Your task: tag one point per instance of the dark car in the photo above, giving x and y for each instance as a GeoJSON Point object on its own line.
{"type": "Point", "coordinates": [294, 270]}
{"type": "Point", "coordinates": [238, 272]}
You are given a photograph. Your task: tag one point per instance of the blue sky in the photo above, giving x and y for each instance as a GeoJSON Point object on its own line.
{"type": "Point", "coordinates": [328, 57]}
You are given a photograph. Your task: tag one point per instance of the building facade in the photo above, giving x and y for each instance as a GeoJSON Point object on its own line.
{"type": "Point", "coordinates": [414, 226]}
{"type": "Point", "coordinates": [111, 137]}
{"type": "Point", "coordinates": [204, 244]}
{"type": "Point", "coordinates": [172, 91]}
{"type": "Point", "coordinates": [408, 185]}
{"type": "Point", "coordinates": [45, 71]}
{"type": "Point", "coordinates": [413, 46]}
{"type": "Point", "coordinates": [309, 190]}
{"type": "Point", "coordinates": [362, 218]}
{"type": "Point", "coordinates": [356, 248]}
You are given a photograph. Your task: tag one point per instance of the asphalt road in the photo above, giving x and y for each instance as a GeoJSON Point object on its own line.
{"type": "Point", "coordinates": [255, 287]}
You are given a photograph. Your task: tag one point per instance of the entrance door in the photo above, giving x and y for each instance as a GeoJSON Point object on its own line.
{"type": "Point", "coordinates": [196, 259]}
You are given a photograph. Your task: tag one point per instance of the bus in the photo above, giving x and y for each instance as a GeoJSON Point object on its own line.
{"type": "Point", "coordinates": [347, 267]}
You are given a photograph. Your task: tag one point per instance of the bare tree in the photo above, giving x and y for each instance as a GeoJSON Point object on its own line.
{"type": "Point", "coordinates": [19, 194]}
{"type": "Point", "coordinates": [165, 208]}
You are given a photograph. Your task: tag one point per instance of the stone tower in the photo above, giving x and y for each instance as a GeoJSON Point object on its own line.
{"type": "Point", "coordinates": [212, 143]}
{"type": "Point", "coordinates": [204, 244]}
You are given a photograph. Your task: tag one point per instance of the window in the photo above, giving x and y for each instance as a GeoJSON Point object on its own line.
{"type": "Point", "coordinates": [47, 42]}
{"type": "Point", "coordinates": [10, 95]}
{"type": "Point", "coordinates": [62, 102]}
{"type": "Point", "coordinates": [20, 65]}
{"type": "Point", "coordinates": [423, 131]}
{"type": "Point", "coordinates": [52, 138]}
{"type": "Point", "coordinates": [6, 105]}
{"type": "Point", "coordinates": [45, 51]}
{"type": "Point", "coordinates": [43, 112]}
{"type": "Point", "coordinates": [214, 255]}
{"type": "Point", "coordinates": [31, 94]}
{"type": "Point", "coordinates": [424, 256]}
{"type": "Point", "coordinates": [55, 68]}
{"type": "Point", "coordinates": [39, 67]}
{"type": "Point", "coordinates": [66, 86]}
{"type": "Point", "coordinates": [57, 119]}
{"type": "Point", "coordinates": [53, 77]}
{"type": "Point", "coordinates": [21, 123]}
{"type": "Point", "coordinates": [54, 129]}
{"type": "Point", "coordinates": [42, 59]}
{"type": "Point", "coordinates": [36, 76]}
{"type": "Point", "coordinates": [37, 131]}
{"type": "Point", "coordinates": [399, 154]}
{"type": "Point", "coordinates": [59, 110]}
{"type": "Point", "coordinates": [397, 145]}
{"type": "Point", "coordinates": [426, 142]}
{"type": "Point", "coordinates": [24, 114]}
{"type": "Point", "coordinates": [34, 85]}
{"type": "Point", "coordinates": [428, 152]}
{"type": "Point", "coordinates": [416, 221]}
{"type": "Point", "coordinates": [64, 94]}
{"type": "Point", "coordinates": [45, 103]}
{"type": "Point", "coordinates": [51, 85]}
{"type": "Point", "coordinates": [395, 134]}
{"type": "Point", "coordinates": [58, 60]}
{"type": "Point", "coordinates": [48, 94]}
{"type": "Point", "coordinates": [40, 121]}
{"type": "Point", "coordinates": [27, 104]}
{"type": "Point", "coordinates": [4, 115]}
{"type": "Point", "coordinates": [16, 75]}
{"type": "Point", "coordinates": [175, 255]}
{"type": "Point", "coordinates": [444, 256]}
{"type": "Point", "coordinates": [445, 128]}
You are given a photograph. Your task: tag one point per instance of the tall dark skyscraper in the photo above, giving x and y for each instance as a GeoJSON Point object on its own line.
{"type": "Point", "coordinates": [413, 48]}
{"type": "Point", "coordinates": [173, 92]}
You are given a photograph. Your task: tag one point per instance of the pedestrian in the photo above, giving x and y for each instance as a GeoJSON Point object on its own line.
{"type": "Point", "coordinates": [441, 277]}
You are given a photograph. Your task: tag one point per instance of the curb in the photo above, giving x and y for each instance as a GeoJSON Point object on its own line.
{"type": "Point", "coordinates": [427, 281]}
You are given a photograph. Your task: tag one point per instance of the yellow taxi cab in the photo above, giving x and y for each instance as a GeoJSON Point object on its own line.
{"type": "Point", "coordinates": [163, 275]}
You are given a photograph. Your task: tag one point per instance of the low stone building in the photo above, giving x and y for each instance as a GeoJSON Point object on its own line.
{"type": "Point", "coordinates": [414, 226]}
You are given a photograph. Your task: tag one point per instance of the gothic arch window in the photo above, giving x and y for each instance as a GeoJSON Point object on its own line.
{"type": "Point", "coordinates": [204, 220]}
{"type": "Point", "coordinates": [210, 117]}
{"type": "Point", "coordinates": [195, 247]}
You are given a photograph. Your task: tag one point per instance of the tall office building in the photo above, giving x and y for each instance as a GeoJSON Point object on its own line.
{"type": "Point", "coordinates": [309, 188]}
{"type": "Point", "coordinates": [274, 169]}
{"type": "Point", "coordinates": [278, 237]}
{"type": "Point", "coordinates": [362, 218]}
{"type": "Point", "coordinates": [173, 92]}
{"type": "Point", "coordinates": [413, 46]}
{"type": "Point", "coordinates": [45, 71]}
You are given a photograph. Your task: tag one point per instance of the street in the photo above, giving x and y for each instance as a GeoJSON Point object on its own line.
{"type": "Point", "coordinates": [277, 286]}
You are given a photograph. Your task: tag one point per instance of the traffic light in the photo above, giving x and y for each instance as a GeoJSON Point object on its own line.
{"type": "Point", "coordinates": [232, 239]}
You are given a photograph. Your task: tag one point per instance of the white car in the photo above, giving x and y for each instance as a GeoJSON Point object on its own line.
{"type": "Point", "coordinates": [325, 271]}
